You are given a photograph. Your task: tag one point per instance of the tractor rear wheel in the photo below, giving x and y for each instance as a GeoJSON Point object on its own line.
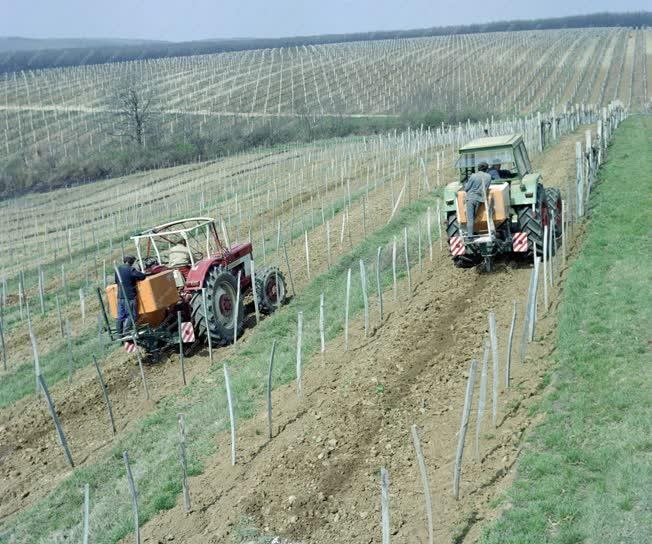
{"type": "Point", "coordinates": [221, 292]}
{"type": "Point", "coordinates": [452, 230]}
{"type": "Point", "coordinates": [553, 202]}
{"type": "Point", "coordinates": [533, 222]}
{"type": "Point", "coordinates": [270, 294]}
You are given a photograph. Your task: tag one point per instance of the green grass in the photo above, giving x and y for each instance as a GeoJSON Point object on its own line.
{"type": "Point", "coordinates": [587, 475]}
{"type": "Point", "coordinates": [20, 382]}
{"type": "Point", "coordinates": [152, 445]}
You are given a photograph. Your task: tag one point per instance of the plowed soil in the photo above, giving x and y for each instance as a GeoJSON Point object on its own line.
{"type": "Point", "coordinates": [31, 461]}
{"type": "Point", "coordinates": [317, 480]}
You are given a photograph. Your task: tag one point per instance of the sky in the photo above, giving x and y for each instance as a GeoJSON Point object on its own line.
{"type": "Point", "coordinates": [185, 20]}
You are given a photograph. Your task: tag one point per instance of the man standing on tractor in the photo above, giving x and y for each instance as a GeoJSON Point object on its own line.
{"type": "Point", "coordinates": [126, 278]}
{"type": "Point", "coordinates": [475, 186]}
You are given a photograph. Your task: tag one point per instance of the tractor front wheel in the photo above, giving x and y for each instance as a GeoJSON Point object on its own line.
{"type": "Point", "coordinates": [219, 318]}
{"type": "Point", "coordinates": [270, 289]}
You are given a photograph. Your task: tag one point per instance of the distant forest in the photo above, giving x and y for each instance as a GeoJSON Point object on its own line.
{"type": "Point", "coordinates": [12, 61]}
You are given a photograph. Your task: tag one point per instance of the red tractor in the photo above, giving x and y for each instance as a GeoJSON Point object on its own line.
{"type": "Point", "coordinates": [191, 274]}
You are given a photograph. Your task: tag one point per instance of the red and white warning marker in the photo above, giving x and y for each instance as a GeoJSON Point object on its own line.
{"type": "Point", "coordinates": [187, 332]}
{"type": "Point", "coordinates": [457, 246]}
{"type": "Point", "coordinates": [519, 242]}
{"type": "Point", "coordinates": [130, 347]}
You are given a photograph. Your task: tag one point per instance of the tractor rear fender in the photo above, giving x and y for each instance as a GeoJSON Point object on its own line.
{"type": "Point", "coordinates": [525, 192]}
{"type": "Point", "coordinates": [449, 196]}
{"type": "Point", "coordinates": [239, 254]}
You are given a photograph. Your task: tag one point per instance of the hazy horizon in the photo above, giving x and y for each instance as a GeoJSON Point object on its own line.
{"type": "Point", "coordinates": [166, 20]}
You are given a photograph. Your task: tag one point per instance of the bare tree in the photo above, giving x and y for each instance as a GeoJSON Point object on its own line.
{"type": "Point", "coordinates": [133, 108]}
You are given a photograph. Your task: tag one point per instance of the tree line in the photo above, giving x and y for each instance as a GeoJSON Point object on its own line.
{"type": "Point", "coordinates": [12, 61]}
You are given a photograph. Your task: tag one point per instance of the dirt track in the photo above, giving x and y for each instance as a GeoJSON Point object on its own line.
{"type": "Point", "coordinates": [317, 480]}
{"type": "Point", "coordinates": [417, 358]}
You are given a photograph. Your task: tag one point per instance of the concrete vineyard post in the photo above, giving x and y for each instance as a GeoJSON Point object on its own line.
{"type": "Point", "coordinates": [253, 291]}
{"type": "Point", "coordinates": [299, 350]}
{"type": "Point", "coordinates": [407, 260]}
{"type": "Point", "coordinates": [328, 243]}
{"type": "Point", "coordinates": [394, 284]}
{"type": "Point", "coordinates": [85, 514]}
{"type": "Point", "coordinates": [424, 482]}
{"type": "Point", "coordinates": [384, 504]}
{"type": "Point", "coordinates": [365, 297]}
{"type": "Point", "coordinates": [322, 327]}
{"type": "Point", "coordinates": [105, 393]}
{"type": "Point", "coordinates": [2, 341]}
{"type": "Point", "coordinates": [495, 364]}
{"type": "Point", "coordinates": [208, 333]}
{"type": "Point", "coordinates": [545, 267]}
{"type": "Point", "coordinates": [482, 399]}
{"type": "Point", "coordinates": [563, 230]}
{"type": "Point", "coordinates": [270, 370]}
{"type": "Point", "coordinates": [229, 398]}
{"type": "Point", "coordinates": [552, 250]}
{"type": "Point", "coordinates": [379, 290]}
{"type": "Point", "coordinates": [468, 398]}
{"type": "Point", "coordinates": [183, 462]}
{"type": "Point", "coordinates": [100, 336]}
{"type": "Point", "coordinates": [134, 496]}
{"type": "Point", "coordinates": [305, 236]}
{"type": "Point", "coordinates": [41, 294]}
{"type": "Point", "coordinates": [533, 306]}
{"type": "Point", "coordinates": [429, 229]}
{"type": "Point", "coordinates": [69, 349]}
{"type": "Point", "coordinates": [508, 353]}
{"type": "Point", "coordinates": [579, 180]}
{"type": "Point", "coordinates": [439, 233]}
{"type": "Point", "coordinates": [55, 419]}
{"type": "Point", "coordinates": [346, 310]}
{"type": "Point", "coordinates": [287, 264]}
{"type": "Point", "coordinates": [235, 313]}
{"type": "Point", "coordinates": [37, 364]}
{"type": "Point", "coordinates": [181, 358]}
{"type": "Point", "coordinates": [526, 318]}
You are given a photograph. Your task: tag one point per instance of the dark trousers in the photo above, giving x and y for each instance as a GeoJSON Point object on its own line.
{"type": "Point", "coordinates": [123, 314]}
{"type": "Point", "coordinates": [471, 210]}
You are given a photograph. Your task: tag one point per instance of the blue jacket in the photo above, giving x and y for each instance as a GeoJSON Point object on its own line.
{"type": "Point", "coordinates": [129, 276]}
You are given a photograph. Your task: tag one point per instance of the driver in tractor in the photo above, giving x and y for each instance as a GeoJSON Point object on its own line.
{"type": "Point", "coordinates": [496, 173]}
{"type": "Point", "coordinates": [179, 255]}
{"type": "Point", "coordinates": [475, 186]}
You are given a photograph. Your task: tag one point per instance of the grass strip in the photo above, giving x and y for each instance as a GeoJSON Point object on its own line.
{"type": "Point", "coordinates": [587, 475]}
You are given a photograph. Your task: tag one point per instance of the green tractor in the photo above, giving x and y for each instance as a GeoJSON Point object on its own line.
{"type": "Point", "coordinates": [519, 207]}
